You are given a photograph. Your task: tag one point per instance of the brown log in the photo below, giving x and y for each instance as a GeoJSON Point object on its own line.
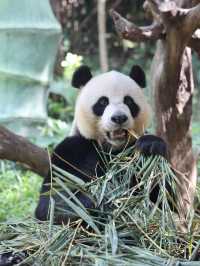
{"type": "Point", "coordinates": [18, 149]}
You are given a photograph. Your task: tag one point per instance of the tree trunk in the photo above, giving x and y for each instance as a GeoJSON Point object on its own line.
{"type": "Point", "coordinates": [101, 4]}
{"type": "Point", "coordinates": [172, 81]}
{"type": "Point", "coordinates": [58, 10]}
{"type": "Point", "coordinates": [174, 112]}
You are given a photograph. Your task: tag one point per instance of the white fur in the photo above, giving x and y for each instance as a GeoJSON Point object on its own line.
{"type": "Point", "coordinates": [115, 86]}
{"type": "Point", "coordinates": [112, 109]}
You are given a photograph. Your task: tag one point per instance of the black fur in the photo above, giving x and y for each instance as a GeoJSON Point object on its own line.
{"type": "Point", "coordinates": [11, 258]}
{"type": "Point", "coordinates": [99, 107]}
{"type": "Point", "coordinates": [152, 145]}
{"type": "Point", "coordinates": [81, 76]}
{"type": "Point", "coordinates": [138, 75]}
{"type": "Point", "coordinates": [134, 108]}
{"type": "Point", "coordinates": [80, 158]}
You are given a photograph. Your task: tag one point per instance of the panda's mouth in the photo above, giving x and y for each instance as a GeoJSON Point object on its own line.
{"type": "Point", "coordinates": [117, 135]}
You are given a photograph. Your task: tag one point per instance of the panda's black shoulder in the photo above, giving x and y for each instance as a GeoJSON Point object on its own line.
{"type": "Point", "coordinates": [71, 141]}
{"type": "Point", "coordinates": [76, 155]}
{"type": "Point", "coordinates": [72, 148]}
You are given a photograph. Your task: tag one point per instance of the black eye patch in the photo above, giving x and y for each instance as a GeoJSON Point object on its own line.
{"type": "Point", "coordinates": [134, 108]}
{"type": "Point", "coordinates": [99, 107]}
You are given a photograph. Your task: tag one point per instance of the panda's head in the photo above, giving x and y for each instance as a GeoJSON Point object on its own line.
{"type": "Point", "coordinates": [111, 108]}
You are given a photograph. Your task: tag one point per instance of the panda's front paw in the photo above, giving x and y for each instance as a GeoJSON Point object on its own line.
{"type": "Point", "coordinates": [152, 145]}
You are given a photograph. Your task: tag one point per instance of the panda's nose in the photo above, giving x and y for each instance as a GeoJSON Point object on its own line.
{"type": "Point", "coordinates": [119, 119]}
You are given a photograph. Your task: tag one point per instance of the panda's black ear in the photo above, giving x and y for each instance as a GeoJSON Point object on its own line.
{"type": "Point", "coordinates": [138, 75]}
{"type": "Point", "coordinates": [81, 76]}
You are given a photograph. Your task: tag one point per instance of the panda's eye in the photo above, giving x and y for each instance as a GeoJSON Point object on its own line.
{"type": "Point", "coordinates": [99, 107]}
{"type": "Point", "coordinates": [133, 107]}
{"type": "Point", "coordinates": [103, 101]}
{"type": "Point", "coordinates": [128, 100]}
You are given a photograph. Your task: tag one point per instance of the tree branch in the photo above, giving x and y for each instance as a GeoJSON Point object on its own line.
{"type": "Point", "coordinates": [130, 31]}
{"type": "Point", "coordinates": [167, 15]}
{"type": "Point", "coordinates": [16, 148]}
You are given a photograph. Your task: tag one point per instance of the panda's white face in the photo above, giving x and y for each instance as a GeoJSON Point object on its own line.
{"type": "Point", "coordinates": [110, 106]}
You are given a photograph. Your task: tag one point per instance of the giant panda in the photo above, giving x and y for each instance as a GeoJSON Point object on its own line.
{"type": "Point", "coordinates": [108, 107]}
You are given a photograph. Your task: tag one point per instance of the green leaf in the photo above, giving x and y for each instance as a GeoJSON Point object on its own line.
{"type": "Point", "coordinates": [81, 213]}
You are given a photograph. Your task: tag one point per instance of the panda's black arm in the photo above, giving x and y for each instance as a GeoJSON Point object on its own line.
{"type": "Point", "coordinates": [152, 145]}
{"type": "Point", "coordinates": [77, 156]}
{"type": "Point", "coordinates": [70, 154]}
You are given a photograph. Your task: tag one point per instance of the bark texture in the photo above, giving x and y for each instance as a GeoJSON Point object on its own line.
{"type": "Point", "coordinates": [174, 28]}
{"type": "Point", "coordinates": [101, 8]}
{"type": "Point", "coordinates": [18, 149]}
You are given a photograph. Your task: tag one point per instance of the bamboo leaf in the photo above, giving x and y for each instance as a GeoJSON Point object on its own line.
{"type": "Point", "coordinates": [81, 213]}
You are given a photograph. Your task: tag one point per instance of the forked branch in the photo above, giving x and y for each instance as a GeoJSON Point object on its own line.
{"type": "Point", "coordinates": [130, 31]}
{"type": "Point", "coordinates": [165, 14]}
